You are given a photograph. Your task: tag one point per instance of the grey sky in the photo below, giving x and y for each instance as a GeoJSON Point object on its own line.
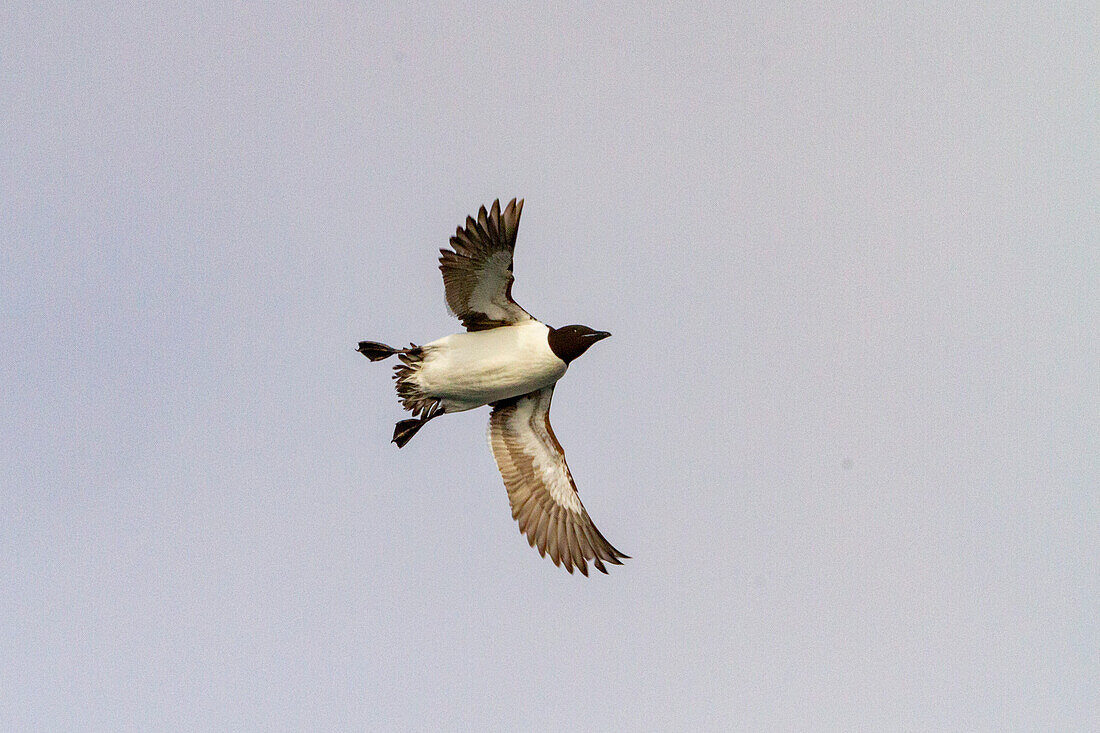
{"type": "Point", "coordinates": [847, 425]}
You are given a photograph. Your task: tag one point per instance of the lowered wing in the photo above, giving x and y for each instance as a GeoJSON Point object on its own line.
{"type": "Point", "coordinates": [540, 488]}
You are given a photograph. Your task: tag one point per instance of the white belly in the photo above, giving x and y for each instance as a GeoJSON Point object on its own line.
{"type": "Point", "coordinates": [467, 370]}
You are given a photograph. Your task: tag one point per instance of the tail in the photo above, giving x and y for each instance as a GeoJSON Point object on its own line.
{"type": "Point", "coordinates": [423, 406]}
{"type": "Point", "coordinates": [409, 392]}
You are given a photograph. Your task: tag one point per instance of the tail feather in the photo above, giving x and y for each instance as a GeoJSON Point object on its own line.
{"type": "Point", "coordinates": [423, 406]}
{"type": "Point", "coordinates": [409, 392]}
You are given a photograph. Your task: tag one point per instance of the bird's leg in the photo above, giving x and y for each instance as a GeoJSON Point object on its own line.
{"type": "Point", "coordinates": [376, 351]}
{"type": "Point", "coordinates": [406, 429]}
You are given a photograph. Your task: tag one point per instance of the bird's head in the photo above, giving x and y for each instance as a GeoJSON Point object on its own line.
{"type": "Point", "coordinates": [569, 342]}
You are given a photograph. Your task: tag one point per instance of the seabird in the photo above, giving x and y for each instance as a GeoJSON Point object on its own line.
{"type": "Point", "coordinates": [509, 360]}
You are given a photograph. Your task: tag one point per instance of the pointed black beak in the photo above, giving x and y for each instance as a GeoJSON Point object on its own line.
{"type": "Point", "coordinates": [597, 336]}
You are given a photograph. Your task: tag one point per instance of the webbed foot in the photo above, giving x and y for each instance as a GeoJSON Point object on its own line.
{"type": "Point", "coordinates": [376, 351]}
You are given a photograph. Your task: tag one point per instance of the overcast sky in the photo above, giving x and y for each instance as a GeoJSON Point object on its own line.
{"type": "Point", "coordinates": [848, 425]}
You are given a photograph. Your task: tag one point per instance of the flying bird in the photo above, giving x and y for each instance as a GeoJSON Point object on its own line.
{"type": "Point", "coordinates": [510, 361]}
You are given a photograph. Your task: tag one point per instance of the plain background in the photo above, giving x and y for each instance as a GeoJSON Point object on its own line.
{"type": "Point", "coordinates": [847, 425]}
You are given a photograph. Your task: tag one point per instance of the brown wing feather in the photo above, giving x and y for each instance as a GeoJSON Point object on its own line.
{"type": "Point", "coordinates": [477, 274]}
{"type": "Point", "coordinates": [540, 487]}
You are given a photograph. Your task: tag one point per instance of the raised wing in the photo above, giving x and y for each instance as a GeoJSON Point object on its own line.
{"type": "Point", "coordinates": [477, 275]}
{"type": "Point", "coordinates": [540, 488]}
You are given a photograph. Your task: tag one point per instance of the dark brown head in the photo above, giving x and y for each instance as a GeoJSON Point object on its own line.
{"type": "Point", "coordinates": [569, 342]}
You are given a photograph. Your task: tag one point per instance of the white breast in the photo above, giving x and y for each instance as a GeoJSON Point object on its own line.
{"type": "Point", "coordinates": [467, 370]}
